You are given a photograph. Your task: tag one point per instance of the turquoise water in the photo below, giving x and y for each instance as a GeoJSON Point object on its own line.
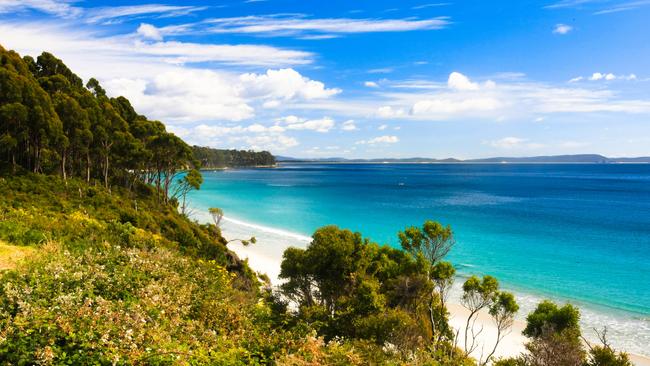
{"type": "Point", "coordinates": [580, 232]}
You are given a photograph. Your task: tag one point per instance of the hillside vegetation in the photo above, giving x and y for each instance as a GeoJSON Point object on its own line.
{"type": "Point", "coordinates": [219, 158]}
{"type": "Point", "coordinates": [103, 267]}
{"type": "Point", "coordinates": [109, 284]}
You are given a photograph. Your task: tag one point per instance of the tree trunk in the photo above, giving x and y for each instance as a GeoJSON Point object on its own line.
{"type": "Point", "coordinates": [106, 171]}
{"type": "Point", "coordinates": [467, 326]}
{"type": "Point", "coordinates": [496, 344]}
{"type": "Point", "coordinates": [431, 317]}
{"type": "Point", "coordinates": [36, 159]}
{"type": "Point", "coordinates": [441, 311]}
{"type": "Point", "coordinates": [63, 172]}
{"type": "Point", "coordinates": [88, 167]}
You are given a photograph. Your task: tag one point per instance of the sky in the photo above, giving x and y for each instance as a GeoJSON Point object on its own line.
{"type": "Point", "coordinates": [364, 79]}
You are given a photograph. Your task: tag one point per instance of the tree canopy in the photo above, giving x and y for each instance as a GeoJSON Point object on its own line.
{"type": "Point", "coordinates": [217, 158]}
{"type": "Point", "coordinates": [52, 123]}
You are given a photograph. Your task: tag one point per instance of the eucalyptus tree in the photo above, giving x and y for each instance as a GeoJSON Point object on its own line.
{"type": "Point", "coordinates": [12, 130]}
{"type": "Point", "coordinates": [171, 155]}
{"type": "Point", "coordinates": [217, 215]}
{"type": "Point", "coordinates": [76, 128]}
{"type": "Point", "coordinates": [477, 295]}
{"type": "Point", "coordinates": [110, 130]}
{"type": "Point", "coordinates": [432, 242]}
{"type": "Point", "coordinates": [503, 310]}
{"type": "Point", "coordinates": [189, 182]}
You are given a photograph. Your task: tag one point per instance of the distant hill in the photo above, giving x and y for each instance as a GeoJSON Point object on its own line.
{"type": "Point", "coordinates": [559, 159]}
{"type": "Point", "coordinates": [217, 158]}
{"type": "Point", "coordinates": [583, 158]}
{"type": "Point", "coordinates": [644, 159]}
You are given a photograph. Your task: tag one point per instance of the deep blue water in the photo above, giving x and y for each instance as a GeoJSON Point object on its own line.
{"type": "Point", "coordinates": [579, 232]}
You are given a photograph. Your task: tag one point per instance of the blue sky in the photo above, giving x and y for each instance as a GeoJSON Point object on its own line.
{"type": "Point", "coordinates": [364, 78]}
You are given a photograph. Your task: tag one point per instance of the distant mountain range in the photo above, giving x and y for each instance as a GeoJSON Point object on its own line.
{"type": "Point", "coordinates": [563, 159]}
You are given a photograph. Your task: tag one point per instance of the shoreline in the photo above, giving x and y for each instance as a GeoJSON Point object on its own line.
{"type": "Point", "coordinates": [266, 256]}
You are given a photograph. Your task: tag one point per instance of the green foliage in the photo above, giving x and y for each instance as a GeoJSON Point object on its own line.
{"type": "Point", "coordinates": [556, 340]}
{"type": "Point", "coordinates": [548, 314]}
{"type": "Point", "coordinates": [217, 215]}
{"type": "Point", "coordinates": [51, 123]}
{"type": "Point", "coordinates": [189, 182]}
{"type": "Point", "coordinates": [503, 305]}
{"type": "Point", "coordinates": [216, 158]}
{"type": "Point", "coordinates": [605, 356]}
{"type": "Point", "coordinates": [352, 290]}
{"type": "Point", "coordinates": [509, 362]}
{"type": "Point", "coordinates": [112, 284]}
{"type": "Point", "coordinates": [552, 348]}
{"type": "Point", "coordinates": [432, 240]}
{"type": "Point", "coordinates": [349, 287]}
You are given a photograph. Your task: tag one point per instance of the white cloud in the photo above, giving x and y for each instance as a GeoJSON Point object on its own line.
{"type": "Point", "coordinates": [154, 77]}
{"type": "Point", "coordinates": [597, 76]}
{"type": "Point", "coordinates": [54, 7]}
{"type": "Point", "coordinates": [300, 25]}
{"type": "Point", "coordinates": [322, 125]}
{"type": "Point", "coordinates": [379, 140]}
{"type": "Point", "coordinates": [382, 127]}
{"type": "Point", "coordinates": [284, 84]}
{"type": "Point", "coordinates": [371, 84]}
{"type": "Point", "coordinates": [149, 31]}
{"type": "Point", "coordinates": [512, 100]}
{"type": "Point", "coordinates": [446, 106]}
{"type": "Point", "coordinates": [390, 112]}
{"type": "Point", "coordinates": [183, 95]}
{"type": "Point", "coordinates": [430, 5]}
{"type": "Point", "coordinates": [383, 70]}
{"type": "Point", "coordinates": [458, 81]}
{"type": "Point", "coordinates": [319, 125]}
{"type": "Point", "coordinates": [90, 53]}
{"type": "Point", "coordinates": [568, 4]}
{"type": "Point", "coordinates": [514, 143]}
{"type": "Point", "coordinates": [113, 13]}
{"type": "Point", "coordinates": [255, 136]}
{"type": "Point", "coordinates": [623, 6]}
{"type": "Point", "coordinates": [106, 15]}
{"type": "Point", "coordinates": [349, 125]}
{"type": "Point", "coordinates": [318, 37]}
{"type": "Point", "coordinates": [253, 55]}
{"type": "Point", "coordinates": [290, 119]}
{"type": "Point", "coordinates": [562, 29]}
{"type": "Point", "coordinates": [268, 142]}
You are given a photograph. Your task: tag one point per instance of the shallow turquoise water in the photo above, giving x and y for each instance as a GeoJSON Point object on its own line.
{"type": "Point", "coordinates": [579, 232]}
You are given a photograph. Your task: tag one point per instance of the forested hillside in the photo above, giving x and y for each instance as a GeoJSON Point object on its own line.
{"type": "Point", "coordinates": [217, 158]}
{"type": "Point", "coordinates": [52, 123]}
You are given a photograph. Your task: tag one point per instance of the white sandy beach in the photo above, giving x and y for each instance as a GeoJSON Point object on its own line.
{"type": "Point", "coordinates": [266, 256]}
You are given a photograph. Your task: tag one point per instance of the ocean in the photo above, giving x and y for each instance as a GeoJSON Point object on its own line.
{"type": "Point", "coordinates": [569, 232]}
